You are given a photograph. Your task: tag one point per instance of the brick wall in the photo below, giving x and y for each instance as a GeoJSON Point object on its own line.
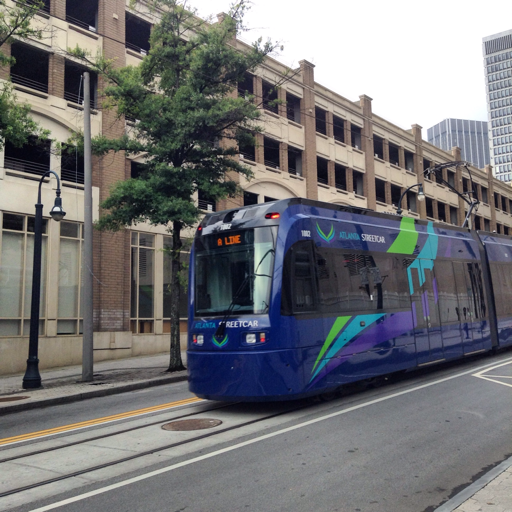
{"type": "Point", "coordinates": [111, 250]}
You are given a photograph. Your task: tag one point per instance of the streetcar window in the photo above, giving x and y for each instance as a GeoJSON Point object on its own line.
{"type": "Point", "coordinates": [233, 272]}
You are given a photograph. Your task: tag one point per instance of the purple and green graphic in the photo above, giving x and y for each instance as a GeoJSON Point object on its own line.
{"type": "Point", "coordinates": [354, 334]}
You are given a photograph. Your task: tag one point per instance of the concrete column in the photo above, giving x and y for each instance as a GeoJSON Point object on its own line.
{"type": "Point", "coordinates": [461, 213]}
{"type": "Point", "coordinates": [309, 170]}
{"type": "Point", "coordinates": [258, 90]}
{"type": "Point", "coordinates": [367, 146]}
{"type": "Point", "coordinates": [58, 8]}
{"type": "Point", "coordinates": [281, 107]}
{"type": "Point", "coordinates": [331, 179]}
{"type": "Point", "coordinates": [56, 75]}
{"type": "Point", "coordinates": [348, 133]}
{"type": "Point", "coordinates": [435, 208]}
{"type": "Point", "coordinates": [418, 165]}
{"type": "Point", "coordinates": [385, 150]}
{"type": "Point", "coordinates": [329, 124]}
{"type": "Point", "coordinates": [283, 156]}
{"type": "Point", "coordinates": [388, 193]}
{"type": "Point", "coordinates": [259, 149]}
{"type": "Point", "coordinates": [350, 180]}
{"type": "Point", "coordinates": [401, 157]}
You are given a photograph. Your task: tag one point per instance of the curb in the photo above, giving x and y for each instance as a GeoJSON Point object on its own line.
{"type": "Point", "coordinates": [94, 393]}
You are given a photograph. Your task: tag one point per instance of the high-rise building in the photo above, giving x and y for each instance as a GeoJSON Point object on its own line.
{"type": "Point", "coordinates": [470, 136]}
{"type": "Point", "coordinates": [497, 50]}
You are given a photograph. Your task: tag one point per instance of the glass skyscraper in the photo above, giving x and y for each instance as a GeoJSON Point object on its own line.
{"type": "Point", "coordinates": [470, 136]}
{"type": "Point", "coordinates": [497, 50]}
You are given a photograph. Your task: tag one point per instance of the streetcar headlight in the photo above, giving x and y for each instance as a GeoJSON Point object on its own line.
{"type": "Point", "coordinates": [197, 339]}
{"type": "Point", "coordinates": [250, 338]}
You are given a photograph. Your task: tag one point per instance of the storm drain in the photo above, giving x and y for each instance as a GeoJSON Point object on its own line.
{"type": "Point", "coordinates": [12, 398]}
{"type": "Point", "coordinates": [195, 424]}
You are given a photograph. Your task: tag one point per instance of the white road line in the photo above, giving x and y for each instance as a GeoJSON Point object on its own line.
{"type": "Point", "coordinates": [492, 378]}
{"type": "Point", "coordinates": [253, 441]}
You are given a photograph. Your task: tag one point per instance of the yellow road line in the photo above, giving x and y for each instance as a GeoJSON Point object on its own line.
{"type": "Point", "coordinates": [97, 421]}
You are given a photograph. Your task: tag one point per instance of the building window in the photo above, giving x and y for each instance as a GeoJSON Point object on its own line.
{"type": "Point", "coordinates": [294, 161]}
{"type": "Point", "coordinates": [270, 97]}
{"type": "Point", "coordinates": [322, 170]}
{"type": "Point", "coordinates": [356, 136]}
{"type": "Point", "coordinates": [378, 147]}
{"type": "Point", "coordinates": [409, 161]}
{"type": "Point", "coordinates": [16, 265]}
{"type": "Point", "coordinates": [340, 177]}
{"type": "Point", "coordinates": [205, 202]}
{"type": "Point", "coordinates": [293, 108]}
{"type": "Point", "coordinates": [32, 158]}
{"type": "Point", "coordinates": [441, 211]}
{"type": "Point", "coordinates": [396, 193]}
{"type": "Point", "coordinates": [73, 84]}
{"type": "Point", "coordinates": [412, 203]}
{"type": "Point", "coordinates": [271, 152]}
{"type": "Point", "coordinates": [320, 121]}
{"type": "Point", "coordinates": [485, 198]}
{"type": "Point", "coordinates": [83, 14]}
{"type": "Point", "coordinates": [72, 165]}
{"type": "Point", "coordinates": [69, 316]}
{"type": "Point", "coordinates": [246, 87]}
{"type": "Point", "coordinates": [358, 178]}
{"type": "Point", "coordinates": [250, 198]}
{"type": "Point", "coordinates": [338, 127]}
{"type": "Point", "coordinates": [453, 215]}
{"type": "Point", "coordinates": [137, 34]}
{"type": "Point", "coordinates": [44, 8]}
{"type": "Point", "coordinates": [380, 190]}
{"type": "Point", "coordinates": [429, 204]}
{"type": "Point", "coordinates": [142, 294]}
{"type": "Point", "coordinates": [394, 154]}
{"type": "Point", "coordinates": [30, 68]}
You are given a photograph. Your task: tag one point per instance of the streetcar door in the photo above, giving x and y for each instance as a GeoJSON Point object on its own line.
{"type": "Point", "coordinates": [429, 341]}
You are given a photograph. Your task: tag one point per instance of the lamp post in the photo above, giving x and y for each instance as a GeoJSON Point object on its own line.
{"type": "Point", "coordinates": [421, 196]}
{"type": "Point", "coordinates": [32, 378]}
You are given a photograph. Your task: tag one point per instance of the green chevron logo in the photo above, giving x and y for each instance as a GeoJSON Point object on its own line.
{"type": "Point", "coordinates": [220, 343]}
{"type": "Point", "coordinates": [322, 235]}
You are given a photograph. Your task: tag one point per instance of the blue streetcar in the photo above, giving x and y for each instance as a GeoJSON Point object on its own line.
{"type": "Point", "coordinates": [297, 297]}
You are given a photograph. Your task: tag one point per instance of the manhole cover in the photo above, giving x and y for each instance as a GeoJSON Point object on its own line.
{"type": "Point", "coordinates": [198, 424]}
{"type": "Point", "coordinates": [12, 398]}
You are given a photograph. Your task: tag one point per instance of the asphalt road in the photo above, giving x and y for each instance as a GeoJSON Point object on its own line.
{"type": "Point", "coordinates": [407, 446]}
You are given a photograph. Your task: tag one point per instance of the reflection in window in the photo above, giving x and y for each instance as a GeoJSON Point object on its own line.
{"type": "Point", "coordinates": [16, 265]}
{"type": "Point", "coordinates": [142, 283]}
{"type": "Point", "coordinates": [70, 264]}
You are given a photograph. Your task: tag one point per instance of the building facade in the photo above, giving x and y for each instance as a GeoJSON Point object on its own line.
{"type": "Point", "coordinates": [497, 51]}
{"type": "Point", "coordinates": [470, 136]}
{"type": "Point", "coordinates": [316, 144]}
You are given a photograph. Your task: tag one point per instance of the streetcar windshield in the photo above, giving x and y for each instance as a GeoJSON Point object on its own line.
{"type": "Point", "coordinates": [233, 271]}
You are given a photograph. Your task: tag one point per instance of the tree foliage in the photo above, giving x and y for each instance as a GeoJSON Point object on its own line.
{"type": "Point", "coordinates": [16, 125]}
{"type": "Point", "coordinates": [187, 122]}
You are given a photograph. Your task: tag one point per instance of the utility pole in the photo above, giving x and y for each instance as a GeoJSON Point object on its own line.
{"type": "Point", "coordinates": [87, 264]}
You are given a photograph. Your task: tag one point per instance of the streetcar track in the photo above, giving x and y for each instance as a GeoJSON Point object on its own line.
{"type": "Point", "coordinates": [103, 436]}
{"type": "Point", "coordinates": [141, 454]}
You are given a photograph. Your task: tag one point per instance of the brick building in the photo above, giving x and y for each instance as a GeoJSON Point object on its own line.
{"type": "Point", "coordinates": [316, 144]}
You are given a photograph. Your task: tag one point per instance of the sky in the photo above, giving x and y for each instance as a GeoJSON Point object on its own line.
{"type": "Point", "coordinates": [421, 62]}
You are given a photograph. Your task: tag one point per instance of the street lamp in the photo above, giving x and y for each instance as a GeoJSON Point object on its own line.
{"type": "Point", "coordinates": [32, 378]}
{"type": "Point", "coordinates": [421, 196]}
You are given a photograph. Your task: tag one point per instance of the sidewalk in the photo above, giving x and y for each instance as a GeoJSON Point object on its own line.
{"type": "Point", "coordinates": [63, 385]}
{"type": "Point", "coordinates": [490, 493]}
